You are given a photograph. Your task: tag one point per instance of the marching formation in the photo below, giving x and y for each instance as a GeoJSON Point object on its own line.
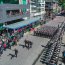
{"type": "Point", "coordinates": [47, 31]}
{"type": "Point", "coordinates": [51, 52]}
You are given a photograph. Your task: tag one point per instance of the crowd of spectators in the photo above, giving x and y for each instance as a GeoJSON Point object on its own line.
{"type": "Point", "coordinates": [8, 39]}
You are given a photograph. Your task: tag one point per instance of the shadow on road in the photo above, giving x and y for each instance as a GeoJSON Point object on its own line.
{"type": "Point", "coordinates": [43, 46]}
{"type": "Point", "coordinates": [25, 46]}
{"type": "Point", "coordinates": [12, 55]}
{"type": "Point", "coordinates": [22, 45]}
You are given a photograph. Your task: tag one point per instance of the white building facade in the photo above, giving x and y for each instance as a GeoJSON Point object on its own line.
{"type": "Point", "coordinates": [37, 8]}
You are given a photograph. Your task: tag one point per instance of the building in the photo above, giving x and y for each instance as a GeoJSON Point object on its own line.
{"type": "Point", "coordinates": [12, 15]}
{"type": "Point", "coordinates": [25, 2]}
{"type": "Point", "coordinates": [48, 7]}
{"type": "Point", "coordinates": [9, 12]}
{"type": "Point", "coordinates": [37, 8]}
{"type": "Point", "coordinates": [56, 7]}
{"type": "Point", "coordinates": [17, 2]}
{"type": "Point", "coordinates": [41, 8]}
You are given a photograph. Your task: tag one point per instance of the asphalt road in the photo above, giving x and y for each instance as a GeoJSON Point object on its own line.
{"type": "Point", "coordinates": [57, 19]}
{"type": "Point", "coordinates": [25, 56]}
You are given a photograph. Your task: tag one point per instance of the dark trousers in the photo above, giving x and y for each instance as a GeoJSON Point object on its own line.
{"type": "Point", "coordinates": [16, 54]}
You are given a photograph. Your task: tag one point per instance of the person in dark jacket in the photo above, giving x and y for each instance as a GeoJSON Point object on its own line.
{"type": "Point", "coordinates": [16, 52]}
{"type": "Point", "coordinates": [1, 50]}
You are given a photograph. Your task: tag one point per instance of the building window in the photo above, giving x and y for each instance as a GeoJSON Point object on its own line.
{"type": "Point", "coordinates": [13, 12]}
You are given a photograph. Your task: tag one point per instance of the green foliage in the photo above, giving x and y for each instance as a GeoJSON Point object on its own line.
{"type": "Point", "coordinates": [62, 3]}
{"type": "Point", "coordinates": [9, 1]}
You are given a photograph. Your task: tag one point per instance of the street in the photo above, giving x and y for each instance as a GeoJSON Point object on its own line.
{"type": "Point", "coordinates": [27, 56]}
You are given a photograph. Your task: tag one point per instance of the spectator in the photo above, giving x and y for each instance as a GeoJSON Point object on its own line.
{"type": "Point", "coordinates": [4, 45]}
{"type": "Point", "coordinates": [1, 51]}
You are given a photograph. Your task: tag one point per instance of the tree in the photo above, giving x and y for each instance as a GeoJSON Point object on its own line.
{"type": "Point", "coordinates": [62, 3]}
{"type": "Point", "coordinates": [9, 1]}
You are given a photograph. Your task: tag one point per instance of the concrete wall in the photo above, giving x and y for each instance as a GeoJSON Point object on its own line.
{"type": "Point", "coordinates": [5, 7]}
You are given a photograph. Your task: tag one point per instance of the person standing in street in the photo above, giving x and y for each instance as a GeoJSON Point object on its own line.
{"type": "Point", "coordinates": [0, 50]}
{"type": "Point", "coordinates": [16, 52]}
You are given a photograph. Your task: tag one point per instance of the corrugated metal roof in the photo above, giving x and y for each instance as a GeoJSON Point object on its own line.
{"type": "Point", "coordinates": [22, 23]}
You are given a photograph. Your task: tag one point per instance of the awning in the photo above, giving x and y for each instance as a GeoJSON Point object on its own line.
{"type": "Point", "coordinates": [22, 23]}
